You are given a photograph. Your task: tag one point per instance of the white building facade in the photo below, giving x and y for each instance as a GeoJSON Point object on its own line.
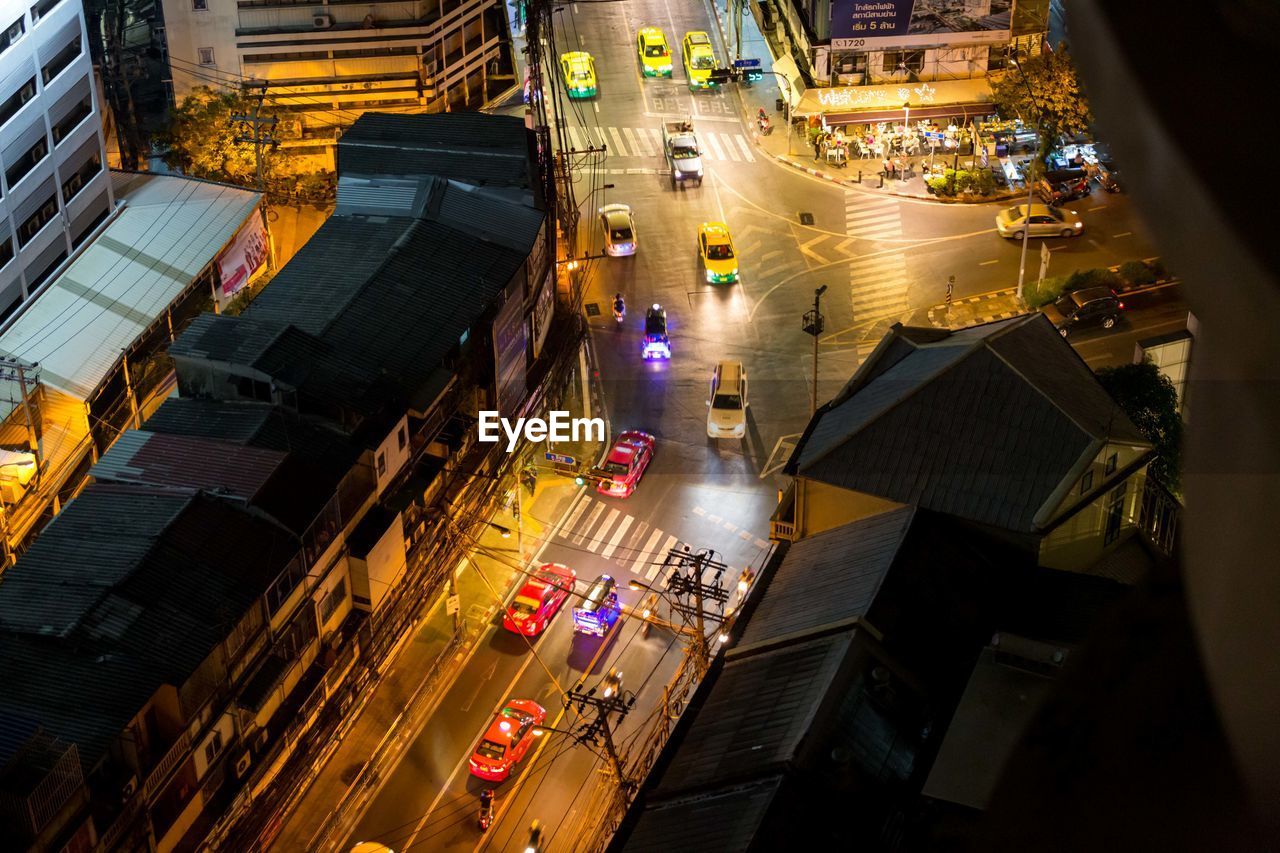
{"type": "Point", "coordinates": [325, 63]}
{"type": "Point", "coordinates": [54, 186]}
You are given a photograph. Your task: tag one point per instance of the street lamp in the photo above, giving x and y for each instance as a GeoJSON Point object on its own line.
{"type": "Point", "coordinates": [1026, 224]}
{"type": "Point", "coordinates": [813, 325]}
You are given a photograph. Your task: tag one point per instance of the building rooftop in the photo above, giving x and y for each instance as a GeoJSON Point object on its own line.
{"type": "Point", "coordinates": [169, 229]}
{"type": "Point", "coordinates": [187, 462]}
{"type": "Point", "coordinates": [982, 423]}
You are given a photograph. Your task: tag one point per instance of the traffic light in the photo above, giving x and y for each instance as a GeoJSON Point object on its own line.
{"type": "Point", "coordinates": [720, 75]}
{"type": "Point", "coordinates": [580, 480]}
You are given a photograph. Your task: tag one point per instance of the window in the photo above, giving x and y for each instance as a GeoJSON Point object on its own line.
{"type": "Point", "coordinates": [1111, 464]}
{"type": "Point", "coordinates": [213, 748]}
{"type": "Point", "coordinates": [82, 176]}
{"type": "Point", "coordinates": [60, 61]}
{"type": "Point", "coordinates": [1114, 514]}
{"type": "Point", "coordinates": [36, 221]}
{"type": "Point", "coordinates": [382, 464]}
{"type": "Point", "coordinates": [1086, 483]}
{"type": "Point", "coordinates": [400, 438]}
{"type": "Point", "coordinates": [10, 106]}
{"type": "Point", "coordinates": [200, 5]}
{"type": "Point", "coordinates": [206, 55]}
{"type": "Point", "coordinates": [43, 8]}
{"type": "Point", "coordinates": [72, 120]}
{"type": "Point", "coordinates": [34, 280]}
{"type": "Point", "coordinates": [6, 252]}
{"type": "Point", "coordinates": [281, 588]}
{"type": "Point", "coordinates": [24, 164]}
{"type": "Point", "coordinates": [253, 389]}
{"type": "Point", "coordinates": [333, 600]}
{"type": "Point", "coordinates": [903, 60]}
{"type": "Point", "coordinates": [11, 34]}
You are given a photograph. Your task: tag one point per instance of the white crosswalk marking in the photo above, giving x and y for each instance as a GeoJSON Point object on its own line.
{"type": "Point", "coordinates": [878, 286]}
{"type": "Point", "coordinates": [728, 146]}
{"type": "Point", "coordinates": [596, 512]}
{"type": "Point", "coordinates": [617, 146]}
{"type": "Point", "coordinates": [596, 539]}
{"type": "Point", "coordinates": [579, 508]}
{"type": "Point", "coordinates": [657, 562]}
{"type": "Point", "coordinates": [709, 139]}
{"type": "Point", "coordinates": [640, 566]}
{"type": "Point", "coordinates": [617, 537]}
{"type": "Point", "coordinates": [646, 142]}
{"type": "Point", "coordinates": [746, 149]}
{"type": "Point", "coordinates": [637, 142]}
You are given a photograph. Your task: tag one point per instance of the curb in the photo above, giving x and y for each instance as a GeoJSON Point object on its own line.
{"type": "Point", "coordinates": [937, 314]}
{"type": "Point", "coordinates": [855, 185]}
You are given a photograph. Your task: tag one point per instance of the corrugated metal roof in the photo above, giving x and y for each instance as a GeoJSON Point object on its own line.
{"type": "Point", "coordinates": [725, 821]}
{"type": "Point", "coordinates": [158, 459]}
{"type": "Point", "coordinates": [240, 422]}
{"type": "Point", "coordinates": [472, 147]}
{"type": "Point", "coordinates": [756, 715]}
{"type": "Point", "coordinates": [170, 229]}
{"type": "Point", "coordinates": [983, 424]}
{"type": "Point", "coordinates": [828, 578]}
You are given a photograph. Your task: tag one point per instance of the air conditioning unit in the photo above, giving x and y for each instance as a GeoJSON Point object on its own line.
{"type": "Point", "coordinates": [130, 788]}
{"type": "Point", "coordinates": [322, 22]}
{"type": "Point", "coordinates": [242, 764]}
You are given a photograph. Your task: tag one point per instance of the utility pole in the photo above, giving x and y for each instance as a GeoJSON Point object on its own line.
{"type": "Point", "coordinates": [813, 325]}
{"type": "Point", "coordinates": [606, 698]}
{"type": "Point", "coordinates": [261, 132]}
{"type": "Point", "coordinates": [691, 593]}
{"type": "Point", "coordinates": [1026, 224]}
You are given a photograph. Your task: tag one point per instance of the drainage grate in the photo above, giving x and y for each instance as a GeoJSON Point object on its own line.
{"type": "Point", "coordinates": [806, 218]}
{"type": "Point", "coordinates": [593, 309]}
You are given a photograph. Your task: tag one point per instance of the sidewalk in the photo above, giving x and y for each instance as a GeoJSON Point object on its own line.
{"type": "Point", "coordinates": [410, 684]}
{"type": "Point", "coordinates": [974, 310]}
{"type": "Point", "coordinates": [787, 144]}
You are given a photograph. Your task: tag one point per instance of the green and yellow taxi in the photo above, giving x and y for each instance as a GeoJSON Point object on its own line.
{"type": "Point", "coordinates": [716, 254]}
{"type": "Point", "coordinates": [655, 55]}
{"type": "Point", "coordinates": [699, 60]}
{"type": "Point", "coordinates": [579, 71]}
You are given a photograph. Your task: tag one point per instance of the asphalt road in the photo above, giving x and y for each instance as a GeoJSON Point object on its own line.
{"type": "Point", "coordinates": [885, 260]}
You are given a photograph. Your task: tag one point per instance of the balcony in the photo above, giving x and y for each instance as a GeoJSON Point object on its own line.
{"type": "Point", "coordinates": [782, 524]}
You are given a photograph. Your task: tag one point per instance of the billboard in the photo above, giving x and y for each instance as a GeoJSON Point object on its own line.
{"type": "Point", "coordinates": [881, 24]}
{"type": "Point", "coordinates": [240, 261]}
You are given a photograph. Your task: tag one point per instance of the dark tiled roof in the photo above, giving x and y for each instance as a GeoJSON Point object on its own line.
{"type": "Point", "coordinates": [725, 821]}
{"type": "Point", "coordinates": [159, 459]}
{"type": "Point", "coordinates": [830, 577]}
{"type": "Point", "coordinates": [471, 147]}
{"type": "Point", "coordinates": [238, 423]}
{"type": "Point", "coordinates": [982, 424]}
{"type": "Point", "coordinates": [755, 716]}
{"type": "Point", "coordinates": [89, 639]}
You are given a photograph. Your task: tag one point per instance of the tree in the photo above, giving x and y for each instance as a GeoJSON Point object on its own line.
{"type": "Point", "coordinates": [202, 140]}
{"type": "Point", "coordinates": [1149, 399]}
{"type": "Point", "coordinates": [1045, 91]}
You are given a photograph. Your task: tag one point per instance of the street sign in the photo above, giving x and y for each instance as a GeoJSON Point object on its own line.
{"type": "Point", "coordinates": [452, 604]}
{"type": "Point", "coordinates": [746, 63]}
{"type": "Point", "coordinates": [934, 134]}
{"type": "Point", "coordinates": [1044, 260]}
{"type": "Point", "coordinates": [562, 458]}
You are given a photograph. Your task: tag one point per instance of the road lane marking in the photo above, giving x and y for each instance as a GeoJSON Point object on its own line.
{"type": "Point", "coordinates": [1122, 234]}
{"type": "Point", "coordinates": [639, 143]}
{"type": "Point", "coordinates": [746, 150]}
{"type": "Point", "coordinates": [575, 513]}
{"type": "Point", "coordinates": [715, 146]}
{"type": "Point", "coordinates": [590, 522]}
{"type": "Point", "coordinates": [597, 538]}
{"type": "Point", "coordinates": [714, 519]}
{"type": "Point", "coordinates": [988, 263]}
{"type": "Point", "coordinates": [617, 140]}
{"type": "Point", "coordinates": [617, 537]}
{"type": "Point", "coordinates": [646, 553]}
{"type": "Point", "coordinates": [657, 565]}
{"type": "Point", "coordinates": [697, 510]}
{"type": "Point", "coordinates": [745, 535]}
{"type": "Point", "coordinates": [729, 526]}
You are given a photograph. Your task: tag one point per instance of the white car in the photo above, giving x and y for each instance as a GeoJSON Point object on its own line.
{"type": "Point", "coordinates": [619, 230]}
{"type": "Point", "coordinates": [1045, 221]}
{"type": "Point", "coordinates": [727, 408]}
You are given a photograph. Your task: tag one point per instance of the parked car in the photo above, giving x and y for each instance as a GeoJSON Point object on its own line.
{"type": "Point", "coordinates": [1063, 191]}
{"type": "Point", "coordinates": [1044, 221]}
{"type": "Point", "coordinates": [1092, 306]}
{"type": "Point", "coordinates": [539, 600]}
{"type": "Point", "coordinates": [507, 739]}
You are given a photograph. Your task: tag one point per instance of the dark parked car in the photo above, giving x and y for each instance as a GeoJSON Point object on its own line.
{"type": "Point", "coordinates": [1063, 191]}
{"type": "Point", "coordinates": [1093, 306]}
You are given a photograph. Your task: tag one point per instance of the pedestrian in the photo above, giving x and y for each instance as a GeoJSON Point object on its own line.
{"type": "Point", "coordinates": [888, 168]}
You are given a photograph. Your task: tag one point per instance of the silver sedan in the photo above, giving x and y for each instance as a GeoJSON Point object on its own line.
{"type": "Point", "coordinates": [619, 230]}
{"type": "Point", "coordinates": [1044, 221]}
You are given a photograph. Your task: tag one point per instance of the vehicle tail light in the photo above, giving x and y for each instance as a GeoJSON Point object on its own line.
{"type": "Point", "coordinates": [1120, 305]}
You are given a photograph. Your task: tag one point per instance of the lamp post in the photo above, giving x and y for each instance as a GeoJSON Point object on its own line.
{"type": "Point", "coordinates": [813, 325]}
{"type": "Point", "coordinates": [1026, 224]}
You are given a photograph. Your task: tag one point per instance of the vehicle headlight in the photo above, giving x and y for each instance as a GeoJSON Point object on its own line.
{"type": "Point", "coordinates": [699, 172]}
{"type": "Point", "coordinates": [711, 276]}
{"type": "Point", "coordinates": [1079, 224]}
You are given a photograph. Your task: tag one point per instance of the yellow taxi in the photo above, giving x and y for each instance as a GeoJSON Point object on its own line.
{"type": "Point", "coordinates": [699, 60]}
{"type": "Point", "coordinates": [655, 55]}
{"type": "Point", "coordinates": [579, 71]}
{"type": "Point", "coordinates": [716, 254]}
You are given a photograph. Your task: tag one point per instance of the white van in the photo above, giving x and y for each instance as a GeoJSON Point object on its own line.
{"type": "Point", "coordinates": [727, 408]}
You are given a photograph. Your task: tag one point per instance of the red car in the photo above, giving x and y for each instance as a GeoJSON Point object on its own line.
{"type": "Point", "coordinates": [625, 465]}
{"type": "Point", "coordinates": [539, 599]}
{"type": "Point", "coordinates": [507, 740]}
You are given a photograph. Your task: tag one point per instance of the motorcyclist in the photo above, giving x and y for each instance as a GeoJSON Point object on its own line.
{"type": "Point", "coordinates": [619, 307]}
{"type": "Point", "coordinates": [762, 120]}
{"type": "Point", "coordinates": [486, 808]}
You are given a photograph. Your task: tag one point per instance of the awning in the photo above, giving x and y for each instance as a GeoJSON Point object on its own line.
{"type": "Point", "coordinates": [885, 101]}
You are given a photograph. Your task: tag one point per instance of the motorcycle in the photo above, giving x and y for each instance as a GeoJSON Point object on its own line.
{"type": "Point", "coordinates": [619, 310]}
{"type": "Point", "coordinates": [486, 809]}
{"type": "Point", "coordinates": [762, 122]}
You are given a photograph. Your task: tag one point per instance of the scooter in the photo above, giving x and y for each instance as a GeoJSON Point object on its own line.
{"type": "Point", "coordinates": [762, 122]}
{"type": "Point", "coordinates": [619, 311]}
{"type": "Point", "coordinates": [486, 809]}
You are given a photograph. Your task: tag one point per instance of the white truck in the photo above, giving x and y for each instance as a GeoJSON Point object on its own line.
{"type": "Point", "coordinates": [684, 158]}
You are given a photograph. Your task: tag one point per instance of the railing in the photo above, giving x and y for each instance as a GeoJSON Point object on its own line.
{"type": "Point", "coordinates": [782, 524]}
{"type": "Point", "coordinates": [1159, 516]}
{"type": "Point", "coordinates": [160, 774]}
